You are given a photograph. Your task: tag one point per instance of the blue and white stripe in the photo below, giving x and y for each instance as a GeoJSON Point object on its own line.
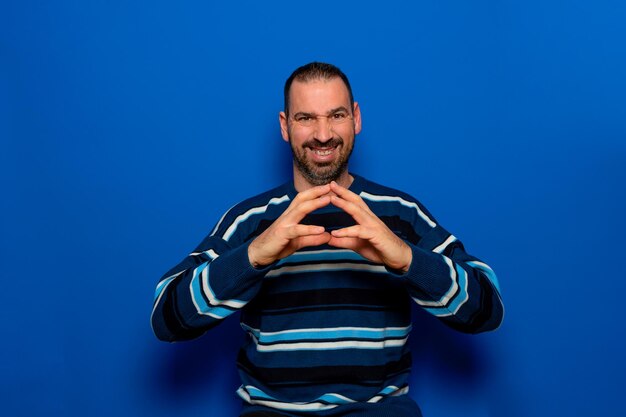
{"type": "Point", "coordinates": [454, 298]}
{"type": "Point", "coordinates": [162, 285]}
{"type": "Point", "coordinates": [210, 253]}
{"type": "Point", "coordinates": [219, 223]}
{"type": "Point", "coordinates": [253, 211]}
{"type": "Point", "coordinates": [327, 346]}
{"type": "Point", "coordinates": [160, 290]}
{"type": "Point", "coordinates": [410, 204]}
{"type": "Point", "coordinates": [445, 299]}
{"type": "Point", "coordinates": [331, 338]}
{"type": "Point", "coordinates": [327, 267]}
{"type": "Point", "coordinates": [486, 269]}
{"type": "Point", "coordinates": [308, 259]}
{"type": "Point", "coordinates": [457, 302]}
{"type": "Point", "coordinates": [255, 396]}
{"type": "Point", "coordinates": [200, 287]}
{"type": "Point", "coordinates": [442, 247]}
{"type": "Point", "coordinates": [322, 256]}
{"type": "Point", "coordinates": [390, 391]}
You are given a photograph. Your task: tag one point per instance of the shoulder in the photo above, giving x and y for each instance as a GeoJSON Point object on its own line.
{"type": "Point", "coordinates": [374, 188]}
{"type": "Point", "coordinates": [263, 205]}
{"type": "Point", "coordinates": [385, 200]}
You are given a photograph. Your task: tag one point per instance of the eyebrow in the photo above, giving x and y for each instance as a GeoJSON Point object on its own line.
{"type": "Point", "coordinates": [330, 112]}
{"type": "Point", "coordinates": [338, 109]}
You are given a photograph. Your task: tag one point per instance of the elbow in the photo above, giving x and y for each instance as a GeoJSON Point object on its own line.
{"type": "Point", "coordinates": [166, 323]}
{"type": "Point", "coordinates": [485, 320]}
{"type": "Point", "coordinates": [161, 331]}
{"type": "Point", "coordinates": [171, 332]}
{"type": "Point", "coordinates": [490, 317]}
{"type": "Point", "coordinates": [163, 334]}
{"type": "Point", "coordinates": [490, 311]}
{"type": "Point", "coordinates": [164, 326]}
{"type": "Point", "coordinates": [165, 338]}
{"type": "Point", "coordinates": [474, 328]}
{"type": "Point", "coordinates": [490, 321]}
{"type": "Point", "coordinates": [489, 326]}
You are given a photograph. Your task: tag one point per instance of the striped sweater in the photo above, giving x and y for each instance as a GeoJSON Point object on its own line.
{"type": "Point", "coordinates": [326, 327]}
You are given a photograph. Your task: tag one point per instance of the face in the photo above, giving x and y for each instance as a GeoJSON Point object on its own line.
{"type": "Point", "coordinates": [322, 146]}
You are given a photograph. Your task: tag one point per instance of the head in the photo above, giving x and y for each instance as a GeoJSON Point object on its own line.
{"type": "Point", "coordinates": [320, 122]}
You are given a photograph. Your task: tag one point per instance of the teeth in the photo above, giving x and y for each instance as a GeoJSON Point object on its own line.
{"type": "Point", "coordinates": [323, 153]}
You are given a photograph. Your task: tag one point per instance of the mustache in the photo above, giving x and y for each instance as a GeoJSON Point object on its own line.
{"type": "Point", "coordinates": [331, 143]}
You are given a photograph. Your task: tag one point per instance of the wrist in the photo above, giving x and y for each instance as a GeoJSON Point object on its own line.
{"type": "Point", "coordinates": [256, 261]}
{"type": "Point", "coordinates": [251, 258]}
{"type": "Point", "coordinates": [408, 255]}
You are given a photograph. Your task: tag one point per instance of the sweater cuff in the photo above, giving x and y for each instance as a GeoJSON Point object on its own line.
{"type": "Point", "coordinates": [426, 271]}
{"type": "Point", "coordinates": [239, 274]}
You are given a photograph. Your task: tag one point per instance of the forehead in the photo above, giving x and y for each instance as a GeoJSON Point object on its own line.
{"type": "Point", "coordinates": [318, 95]}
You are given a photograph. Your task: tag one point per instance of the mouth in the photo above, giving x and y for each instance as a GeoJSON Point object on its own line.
{"type": "Point", "coordinates": [322, 154]}
{"type": "Point", "coordinates": [323, 151]}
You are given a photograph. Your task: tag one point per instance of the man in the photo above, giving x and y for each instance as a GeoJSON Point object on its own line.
{"type": "Point", "coordinates": [323, 269]}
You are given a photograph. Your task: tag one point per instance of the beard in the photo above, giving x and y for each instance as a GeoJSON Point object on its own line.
{"type": "Point", "coordinates": [321, 173]}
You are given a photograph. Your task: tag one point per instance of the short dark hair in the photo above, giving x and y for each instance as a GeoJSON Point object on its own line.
{"type": "Point", "coordinates": [316, 71]}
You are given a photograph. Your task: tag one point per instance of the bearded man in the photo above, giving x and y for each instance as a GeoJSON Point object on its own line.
{"type": "Point", "coordinates": [324, 269]}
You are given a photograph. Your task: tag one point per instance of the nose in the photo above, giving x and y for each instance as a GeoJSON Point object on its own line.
{"type": "Point", "coordinates": [323, 129]}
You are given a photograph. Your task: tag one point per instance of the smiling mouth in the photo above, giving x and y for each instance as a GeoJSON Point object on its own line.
{"type": "Point", "coordinates": [322, 152]}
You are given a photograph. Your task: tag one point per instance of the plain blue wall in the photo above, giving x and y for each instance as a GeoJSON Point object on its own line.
{"type": "Point", "coordinates": [127, 128]}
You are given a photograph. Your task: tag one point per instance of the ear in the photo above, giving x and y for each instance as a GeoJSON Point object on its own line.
{"type": "Point", "coordinates": [356, 112]}
{"type": "Point", "coordinates": [284, 126]}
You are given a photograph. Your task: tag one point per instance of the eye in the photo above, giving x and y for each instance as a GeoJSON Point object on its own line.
{"type": "Point", "coordinates": [303, 118]}
{"type": "Point", "coordinates": [339, 116]}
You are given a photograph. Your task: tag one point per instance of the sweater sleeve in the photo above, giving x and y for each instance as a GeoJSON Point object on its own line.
{"type": "Point", "coordinates": [457, 288]}
{"type": "Point", "coordinates": [211, 283]}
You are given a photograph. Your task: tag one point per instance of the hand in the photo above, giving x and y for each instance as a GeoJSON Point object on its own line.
{"type": "Point", "coordinates": [370, 237]}
{"type": "Point", "coordinates": [286, 235]}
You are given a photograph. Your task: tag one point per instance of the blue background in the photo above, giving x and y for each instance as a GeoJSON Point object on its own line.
{"type": "Point", "coordinates": [127, 128]}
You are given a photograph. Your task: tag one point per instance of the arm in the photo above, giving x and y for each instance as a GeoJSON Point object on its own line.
{"type": "Point", "coordinates": [211, 283]}
{"type": "Point", "coordinates": [220, 277]}
{"type": "Point", "coordinates": [440, 276]}
{"type": "Point", "coordinates": [457, 288]}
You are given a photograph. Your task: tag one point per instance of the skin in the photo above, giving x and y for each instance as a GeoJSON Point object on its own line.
{"type": "Point", "coordinates": [320, 97]}
{"type": "Point", "coordinates": [369, 237]}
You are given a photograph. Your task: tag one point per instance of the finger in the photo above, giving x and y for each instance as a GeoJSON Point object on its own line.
{"type": "Point", "coordinates": [301, 230]}
{"type": "Point", "coordinates": [356, 231]}
{"type": "Point", "coordinates": [301, 209]}
{"type": "Point", "coordinates": [357, 245]}
{"type": "Point", "coordinates": [346, 242]}
{"type": "Point", "coordinates": [316, 240]}
{"type": "Point", "coordinates": [350, 196]}
{"type": "Point", "coordinates": [307, 195]}
{"type": "Point", "coordinates": [346, 194]}
{"type": "Point", "coordinates": [312, 193]}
